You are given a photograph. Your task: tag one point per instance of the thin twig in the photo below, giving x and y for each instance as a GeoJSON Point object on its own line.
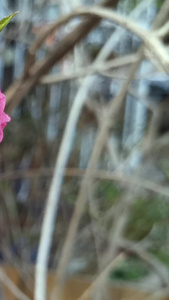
{"type": "Point", "coordinates": [121, 217]}
{"type": "Point", "coordinates": [158, 147]}
{"type": "Point", "coordinates": [93, 210]}
{"type": "Point", "coordinates": [123, 224]}
{"type": "Point", "coordinates": [58, 23]}
{"type": "Point", "coordinates": [150, 260]}
{"type": "Point", "coordinates": [162, 16]}
{"type": "Point", "coordinates": [75, 224]}
{"type": "Point", "coordinates": [55, 189]}
{"type": "Point", "coordinates": [163, 31]}
{"type": "Point", "coordinates": [150, 39]}
{"type": "Point", "coordinates": [12, 287]}
{"type": "Point", "coordinates": [116, 176]}
{"type": "Point", "coordinates": [82, 194]}
{"type": "Point", "coordinates": [54, 195]}
{"type": "Point", "coordinates": [101, 277]}
{"type": "Point", "coordinates": [112, 112]}
{"type": "Point", "coordinates": [96, 68]}
{"type": "Point", "coordinates": [21, 87]}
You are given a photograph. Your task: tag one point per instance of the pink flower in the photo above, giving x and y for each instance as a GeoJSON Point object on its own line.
{"type": "Point", "coordinates": [4, 118]}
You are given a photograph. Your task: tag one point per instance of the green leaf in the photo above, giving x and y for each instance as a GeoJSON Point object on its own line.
{"type": "Point", "coordinates": [4, 22]}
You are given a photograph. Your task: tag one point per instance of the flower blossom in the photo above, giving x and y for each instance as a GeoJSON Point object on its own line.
{"type": "Point", "coordinates": [4, 118]}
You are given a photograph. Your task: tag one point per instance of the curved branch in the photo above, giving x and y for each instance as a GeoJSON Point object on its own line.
{"type": "Point", "coordinates": [112, 112]}
{"type": "Point", "coordinates": [12, 287]}
{"type": "Point", "coordinates": [149, 38]}
{"type": "Point", "coordinates": [96, 68]}
{"type": "Point", "coordinates": [150, 259]}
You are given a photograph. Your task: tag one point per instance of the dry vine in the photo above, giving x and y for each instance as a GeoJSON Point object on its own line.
{"type": "Point", "coordinates": [35, 73]}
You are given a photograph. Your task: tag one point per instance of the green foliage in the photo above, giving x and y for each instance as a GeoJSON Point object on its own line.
{"type": "Point", "coordinates": [159, 3]}
{"type": "Point", "coordinates": [70, 190]}
{"type": "Point", "coordinates": [163, 257]}
{"type": "Point", "coordinates": [107, 194]}
{"type": "Point", "coordinates": [5, 21]}
{"type": "Point", "coordinates": [144, 213]}
{"type": "Point", "coordinates": [131, 269]}
{"type": "Point", "coordinates": [164, 166]}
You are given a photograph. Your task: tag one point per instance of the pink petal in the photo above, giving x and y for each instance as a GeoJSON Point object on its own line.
{"type": "Point", "coordinates": [2, 101]}
{"type": "Point", "coordinates": [3, 125]}
{"type": "Point", "coordinates": [4, 118]}
{"type": "Point", "coordinates": [1, 135]}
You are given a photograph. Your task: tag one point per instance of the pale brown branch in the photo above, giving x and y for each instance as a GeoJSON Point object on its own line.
{"type": "Point", "coordinates": [149, 38]}
{"type": "Point", "coordinates": [59, 22]}
{"type": "Point", "coordinates": [109, 120]}
{"type": "Point", "coordinates": [152, 134]}
{"type": "Point", "coordinates": [114, 109]}
{"type": "Point", "coordinates": [162, 16]}
{"type": "Point", "coordinates": [163, 31]}
{"type": "Point", "coordinates": [101, 277]}
{"type": "Point", "coordinates": [158, 147]}
{"type": "Point", "coordinates": [12, 287]}
{"type": "Point", "coordinates": [96, 68]}
{"type": "Point", "coordinates": [93, 210]}
{"type": "Point", "coordinates": [21, 87]}
{"type": "Point", "coordinates": [151, 260]}
{"type": "Point", "coordinates": [101, 174]}
{"type": "Point", "coordinates": [120, 220]}
{"type": "Point", "coordinates": [52, 27]}
{"type": "Point", "coordinates": [158, 295]}
{"type": "Point", "coordinates": [113, 16]}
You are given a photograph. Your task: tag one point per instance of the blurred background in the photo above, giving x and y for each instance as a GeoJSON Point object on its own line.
{"type": "Point", "coordinates": [135, 211]}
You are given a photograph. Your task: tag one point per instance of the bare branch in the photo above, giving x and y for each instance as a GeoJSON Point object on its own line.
{"type": "Point", "coordinates": [54, 195]}
{"type": "Point", "coordinates": [162, 16]}
{"type": "Point", "coordinates": [163, 31]}
{"type": "Point", "coordinates": [149, 38]}
{"type": "Point", "coordinates": [16, 91]}
{"type": "Point", "coordinates": [116, 176]}
{"type": "Point", "coordinates": [59, 22]}
{"type": "Point", "coordinates": [12, 287]}
{"type": "Point", "coordinates": [110, 119]}
{"type": "Point", "coordinates": [48, 225]}
{"type": "Point", "coordinates": [151, 260]}
{"type": "Point", "coordinates": [96, 68]}
{"type": "Point", "coordinates": [157, 148]}
{"type": "Point", "coordinates": [101, 277]}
